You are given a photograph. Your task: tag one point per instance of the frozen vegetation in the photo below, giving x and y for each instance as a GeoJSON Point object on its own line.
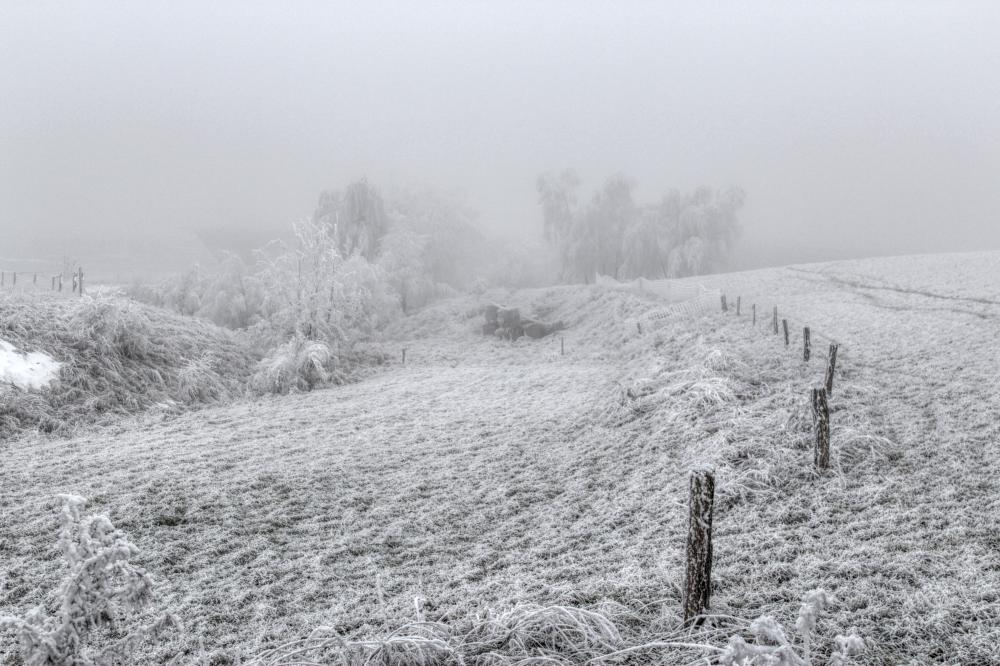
{"type": "Point", "coordinates": [492, 502]}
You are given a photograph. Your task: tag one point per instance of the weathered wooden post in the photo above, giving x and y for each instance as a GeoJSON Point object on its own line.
{"type": "Point", "coordinates": [775, 320]}
{"type": "Point", "coordinates": [784, 325]}
{"type": "Point", "coordinates": [739, 300]}
{"type": "Point", "coordinates": [80, 280]}
{"type": "Point", "coordinates": [806, 346]}
{"type": "Point", "coordinates": [821, 428]}
{"type": "Point", "coordinates": [831, 365]}
{"type": "Point", "coordinates": [562, 346]}
{"type": "Point", "coordinates": [638, 326]}
{"type": "Point", "coordinates": [698, 578]}
{"type": "Point", "coordinates": [60, 283]}
{"type": "Point", "coordinates": [404, 355]}
{"type": "Point", "coordinates": [724, 307]}
{"type": "Point", "coordinates": [754, 309]}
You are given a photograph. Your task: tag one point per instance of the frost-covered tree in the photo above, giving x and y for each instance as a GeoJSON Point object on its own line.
{"type": "Point", "coordinates": [402, 258]}
{"type": "Point", "coordinates": [453, 249]}
{"type": "Point", "coordinates": [685, 234]}
{"type": "Point", "coordinates": [356, 218]}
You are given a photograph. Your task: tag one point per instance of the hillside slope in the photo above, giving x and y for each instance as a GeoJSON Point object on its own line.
{"type": "Point", "coordinates": [482, 475]}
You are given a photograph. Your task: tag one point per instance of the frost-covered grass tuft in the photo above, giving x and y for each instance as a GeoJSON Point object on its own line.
{"type": "Point", "coordinates": [529, 634]}
{"type": "Point", "coordinates": [298, 364]}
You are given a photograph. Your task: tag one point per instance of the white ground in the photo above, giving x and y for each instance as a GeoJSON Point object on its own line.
{"type": "Point", "coordinates": [33, 370]}
{"type": "Point", "coordinates": [482, 475]}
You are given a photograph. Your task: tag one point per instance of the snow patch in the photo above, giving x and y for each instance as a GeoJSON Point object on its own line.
{"type": "Point", "coordinates": [27, 371]}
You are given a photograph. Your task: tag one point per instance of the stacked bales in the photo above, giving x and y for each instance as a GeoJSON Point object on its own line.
{"type": "Point", "coordinates": [507, 324]}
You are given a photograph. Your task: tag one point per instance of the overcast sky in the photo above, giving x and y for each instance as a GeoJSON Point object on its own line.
{"type": "Point", "coordinates": [869, 128]}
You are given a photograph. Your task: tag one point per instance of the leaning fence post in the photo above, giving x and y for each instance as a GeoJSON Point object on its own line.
{"type": "Point", "coordinates": [739, 300]}
{"type": "Point", "coordinates": [775, 320]}
{"type": "Point", "coordinates": [821, 428]}
{"type": "Point", "coordinates": [784, 325]}
{"type": "Point", "coordinates": [724, 308]}
{"type": "Point", "coordinates": [806, 346]}
{"type": "Point", "coordinates": [698, 578]}
{"type": "Point", "coordinates": [830, 367]}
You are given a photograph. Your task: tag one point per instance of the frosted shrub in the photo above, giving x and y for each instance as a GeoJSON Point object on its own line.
{"type": "Point", "coordinates": [100, 589]}
{"type": "Point", "coordinates": [313, 291]}
{"type": "Point", "coordinates": [772, 647]}
{"type": "Point", "coordinates": [297, 364]}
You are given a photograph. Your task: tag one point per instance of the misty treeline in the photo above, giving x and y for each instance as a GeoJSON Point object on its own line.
{"type": "Point", "coordinates": [357, 263]}
{"type": "Point", "coordinates": [685, 233]}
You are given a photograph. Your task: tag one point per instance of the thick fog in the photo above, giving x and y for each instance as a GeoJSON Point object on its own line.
{"type": "Point", "coordinates": [855, 129]}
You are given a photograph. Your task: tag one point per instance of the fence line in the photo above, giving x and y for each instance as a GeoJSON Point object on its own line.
{"type": "Point", "coordinates": [684, 298]}
{"type": "Point", "coordinates": [43, 281]}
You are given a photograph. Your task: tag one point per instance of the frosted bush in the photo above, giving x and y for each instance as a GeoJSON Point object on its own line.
{"type": "Point", "coordinates": [100, 589]}
{"type": "Point", "coordinates": [297, 364]}
{"type": "Point", "coordinates": [772, 647]}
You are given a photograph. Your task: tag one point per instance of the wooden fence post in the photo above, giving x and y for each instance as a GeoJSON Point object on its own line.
{"type": "Point", "coordinates": [698, 578]}
{"type": "Point", "coordinates": [80, 280]}
{"type": "Point", "coordinates": [724, 308]}
{"type": "Point", "coordinates": [638, 326]}
{"type": "Point", "coordinates": [821, 428]}
{"type": "Point", "coordinates": [404, 355]}
{"type": "Point", "coordinates": [831, 365]}
{"type": "Point", "coordinates": [754, 308]}
{"type": "Point", "coordinates": [60, 283]}
{"type": "Point", "coordinates": [784, 325]}
{"type": "Point", "coordinates": [562, 346]}
{"type": "Point", "coordinates": [775, 320]}
{"type": "Point", "coordinates": [739, 300]}
{"type": "Point", "coordinates": [806, 346]}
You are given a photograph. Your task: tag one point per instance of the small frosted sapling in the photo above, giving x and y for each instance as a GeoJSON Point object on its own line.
{"type": "Point", "coordinates": [101, 588]}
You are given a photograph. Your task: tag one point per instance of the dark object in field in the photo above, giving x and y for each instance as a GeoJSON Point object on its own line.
{"type": "Point", "coordinates": [821, 428]}
{"type": "Point", "coordinates": [806, 345]}
{"type": "Point", "coordinates": [830, 369]}
{"type": "Point", "coordinates": [698, 578]}
{"type": "Point", "coordinates": [539, 329]}
{"type": "Point", "coordinates": [507, 324]}
{"type": "Point", "coordinates": [509, 317]}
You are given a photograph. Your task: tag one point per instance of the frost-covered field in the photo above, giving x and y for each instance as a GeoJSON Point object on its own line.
{"type": "Point", "coordinates": [483, 476]}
